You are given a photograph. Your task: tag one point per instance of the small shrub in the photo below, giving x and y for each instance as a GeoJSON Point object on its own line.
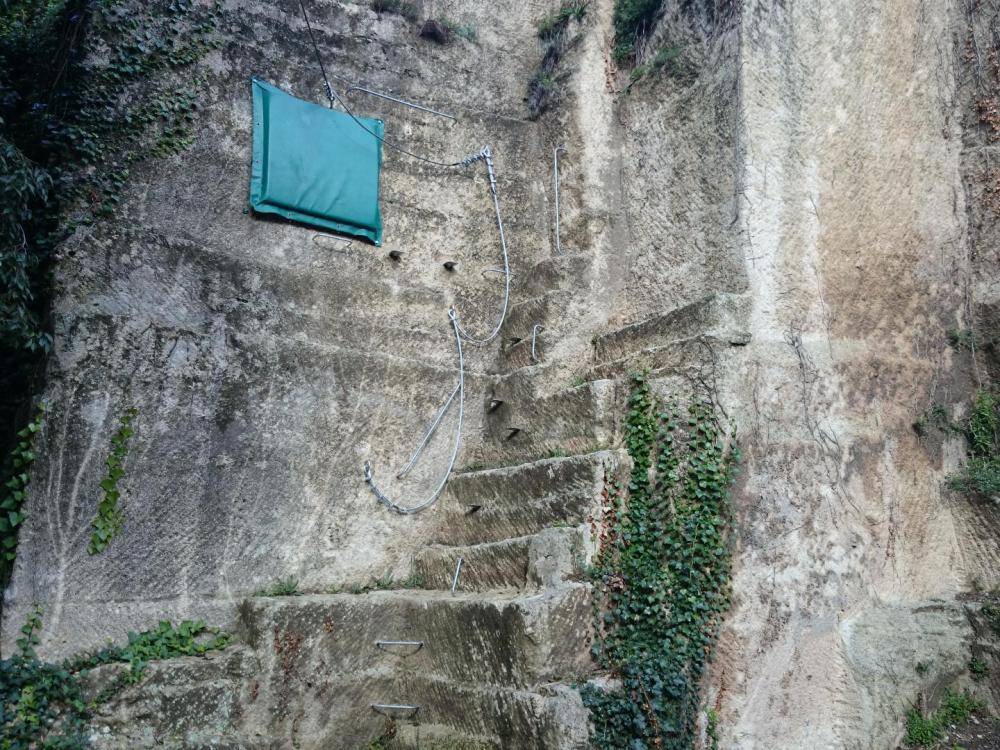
{"type": "Point", "coordinates": [397, 7]}
{"type": "Point", "coordinates": [554, 24]}
{"type": "Point", "coordinates": [632, 19]}
{"type": "Point", "coordinates": [981, 474]}
{"type": "Point", "coordinates": [992, 614]}
{"type": "Point", "coordinates": [926, 731]}
{"type": "Point", "coordinates": [978, 668]}
{"type": "Point", "coordinates": [963, 339]}
{"type": "Point", "coordinates": [920, 731]}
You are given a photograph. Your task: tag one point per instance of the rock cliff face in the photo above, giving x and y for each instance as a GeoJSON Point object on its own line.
{"type": "Point", "coordinates": [782, 223]}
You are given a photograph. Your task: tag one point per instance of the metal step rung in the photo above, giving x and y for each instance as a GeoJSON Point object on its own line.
{"type": "Point", "coordinates": [415, 645]}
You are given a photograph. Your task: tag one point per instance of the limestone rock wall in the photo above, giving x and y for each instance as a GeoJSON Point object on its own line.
{"type": "Point", "coordinates": [782, 224]}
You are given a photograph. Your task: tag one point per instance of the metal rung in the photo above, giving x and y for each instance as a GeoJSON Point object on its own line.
{"type": "Point", "coordinates": [454, 581]}
{"type": "Point", "coordinates": [386, 708]}
{"type": "Point", "coordinates": [330, 237]}
{"type": "Point", "coordinates": [449, 265]}
{"type": "Point", "coordinates": [380, 95]}
{"type": "Point", "coordinates": [418, 644]}
{"type": "Point", "coordinates": [512, 431]}
{"type": "Point", "coordinates": [495, 404]}
{"type": "Point", "coordinates": [396, 254]}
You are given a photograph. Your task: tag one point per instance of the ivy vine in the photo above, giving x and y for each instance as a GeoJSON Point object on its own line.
{"type": "Point", "coordinates": [662, 574]}
{"type": "Point", "coordinates": [87, 89]}
{"type": "Point", "coordinates": [45, 705]}
{"type": "Point", "coordinates": [15, 491]}
{"type": "Point", "coordinates": [109, 519]}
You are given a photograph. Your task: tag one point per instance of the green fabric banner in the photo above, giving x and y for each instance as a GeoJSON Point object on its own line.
{"type": "Point", "coordinates": [315, 165]}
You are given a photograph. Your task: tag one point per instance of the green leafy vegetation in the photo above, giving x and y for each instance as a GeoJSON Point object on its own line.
{"type": "Point", "coordinates": [14, 493]}
{"type": "Point", "coordinates": [662, 574]}
{"type": "Point", "coordinates": [632, 20]}
{"type": "Point", "coordinates": [981, 474]}
{"type": "Point", "coordinates": [87, 89]}
{"type": "Point", "coordinates": [43, 705]}
{"type": "Point", "coordinates": [543, 84]}
{"type": "Point", "coordinates": [386, 583]}
{"type": "Point", "coordinates": [964, 339]}
{"type": "Point", "coordinates": [927, 731]}
{"type": "Point", "coordinates": [398, 8]}
{"type": "Point", "coordinates": [109, 519]}
{"type": "Point", "coordinates": [555, 23]}
{"type": "Point", "coordinates": [281, 587]}
{"type": "Point", "coordinates": [978, 668]}
{"type": "Point", "coordinates": [460, 30]}
{"type": "Point", "coordinates": [935, 416]}
{"type": "Point", "coordinates": [712, 729]}
{"type": "Point", "coordinates": [992, 614]}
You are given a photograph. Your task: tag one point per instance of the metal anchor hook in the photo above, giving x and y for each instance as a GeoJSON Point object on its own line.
{"type": "Point", "coordinates": [368, 472]}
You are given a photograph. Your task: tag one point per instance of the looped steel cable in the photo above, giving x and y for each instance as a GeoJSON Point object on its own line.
{"type": "Point", "coordinates": [426, 502]}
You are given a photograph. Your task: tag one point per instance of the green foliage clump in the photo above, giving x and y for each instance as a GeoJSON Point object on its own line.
{"type": "Point", "coordinates": [190, 638]}
{"type": "Point", "coordinates": [632, 19]}
{"type": "Point", "coordinates": [109, 519]}
{"type": "Point", "coordinates": [281, 587]}
{"type": "Point", "coordinates": [387, 582]}
{"type": "Point", "coordinates": [397, 7]}
{"type": "Point", "coordinates": [42, 704]}
{"type": "Point", "coordinates": [935, 416]}
{"type": "Point", "coordinates": [14, 493]}
{"type": "Point", "coordinates": [926, 731]}
{"type": "Point", "coordinates": [662, 573]}
{"type": "Point", "coordinates": [69, 129]}
{"type": "Point", "coordinates": [542, 85]}
{"type": "Point", "coordinates": [978, 668]}
{"type": "Point", "coordinates": [981, 474]}
{"type": "Point", "coordinates": [554, 24]}
{"type": "Point", "coordinates": [992, 614]}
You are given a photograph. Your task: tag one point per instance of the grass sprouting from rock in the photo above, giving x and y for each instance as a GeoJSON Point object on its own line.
{"type": "Point", "coordinates": [662, 574]}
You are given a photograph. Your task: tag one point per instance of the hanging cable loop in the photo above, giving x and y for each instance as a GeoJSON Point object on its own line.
{"type": "Point", "coordinates": [486, 155]}
{"type": "Point", "coordinates": [370, 474]}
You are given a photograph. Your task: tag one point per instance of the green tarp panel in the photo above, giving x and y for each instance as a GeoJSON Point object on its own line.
{"type": "Point", "coordinates": [315, 165]}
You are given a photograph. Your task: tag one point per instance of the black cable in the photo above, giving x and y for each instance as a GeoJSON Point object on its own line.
{"type": "Point", "coordinates": [331, 95]}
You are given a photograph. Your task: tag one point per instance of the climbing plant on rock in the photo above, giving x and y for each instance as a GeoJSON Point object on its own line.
{"type": "Point", "coordinates": [87, 89]}
{"type": "Point", "coordinates": [662, 574]}
{"type": "Point", "coordinates": [14, 493]}
{"type": "Point", "coordinates": [110, 519]}
{"type": "Point", "coordinates": [47, 705]}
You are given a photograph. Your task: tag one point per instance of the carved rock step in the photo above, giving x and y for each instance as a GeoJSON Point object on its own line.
{"type": "Point", "coordinates": [548, 310]}
{"type": "Point", "coordinates": [556, 272]}
{"type": "Point", "coordinates": [690, 358]}
{"type": "Point", "coordinates": [545, 559]}
{"type": "Point", "coordinates": [237, 701]}
{"type": "Point", "coordinates": [496, 504]}
{"type": "Point", "coordinates": [190, 702]}
{"type": "Point", "coordinates": [498, 640]}
{"type": "Point", "coordinates": [719, 316]}
{"type": "Point", "coordinates": [575, 420]}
